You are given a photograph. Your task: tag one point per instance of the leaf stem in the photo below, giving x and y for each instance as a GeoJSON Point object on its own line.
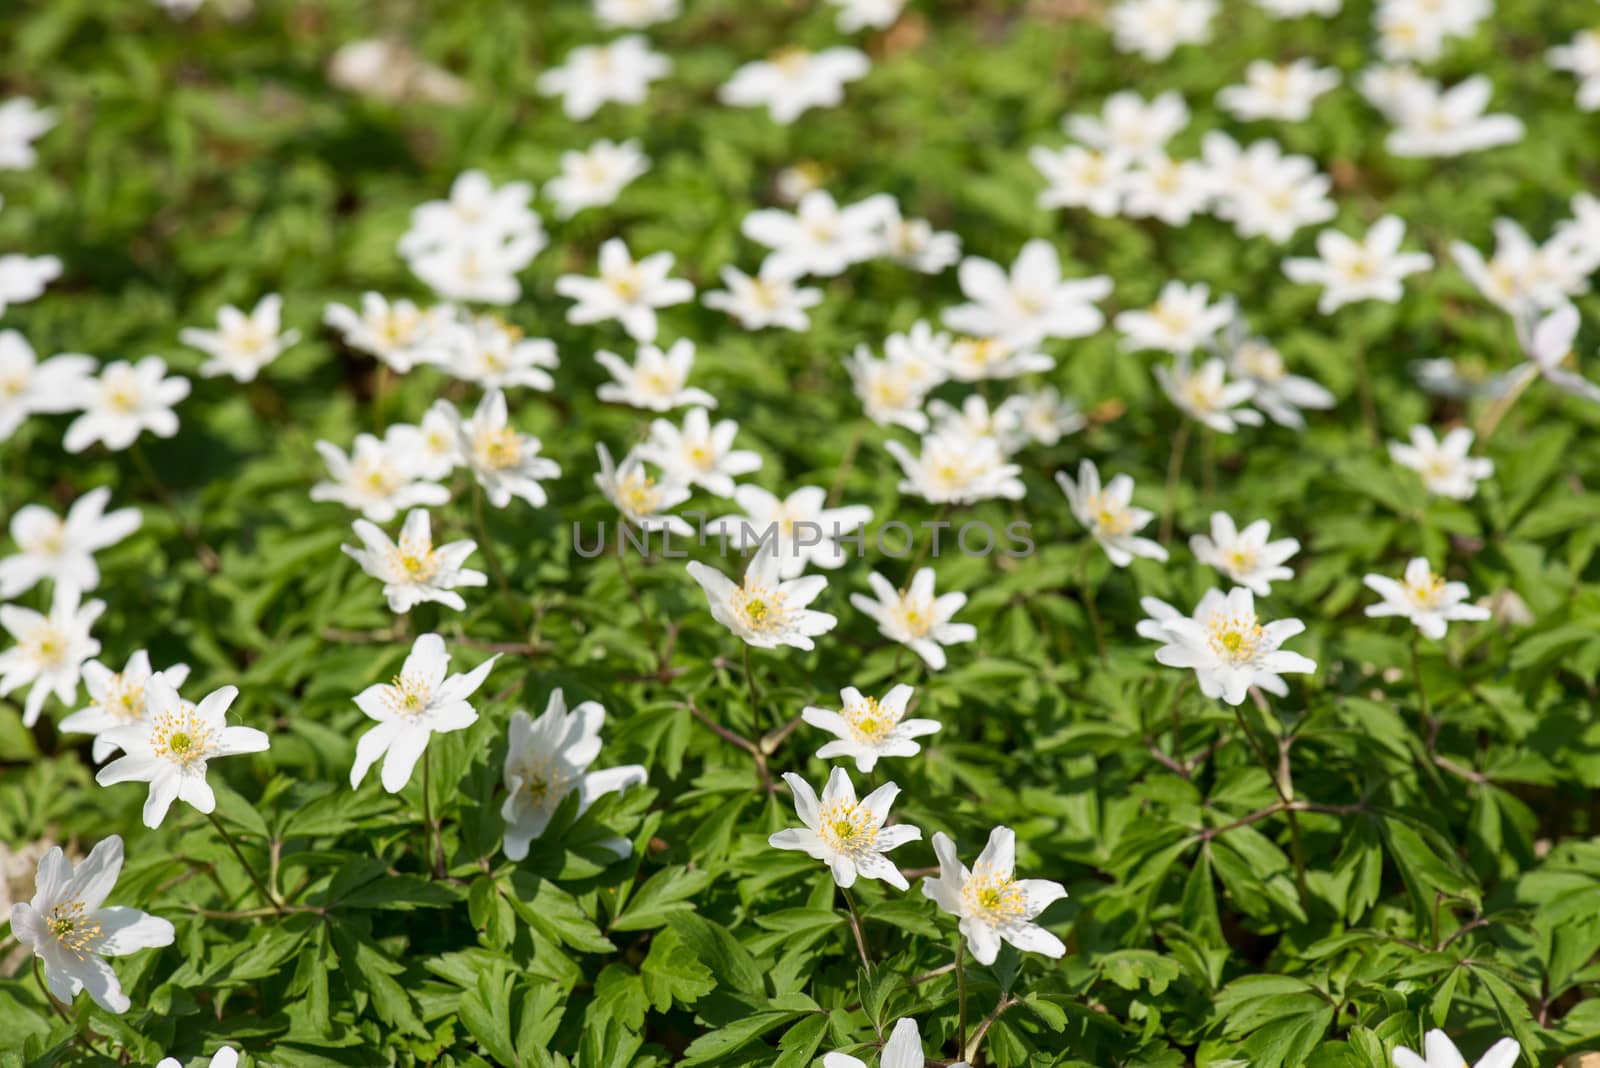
{"type": "Point", "coordinates": [433, 851]}
{"type": "Point", "coordinates": [856, 929]}
{"type": "Point", "coordinates": [261, 887]}
{"type": "Point", "coordinates": [1090, 609]}
{"type": "Point", "coordinates": [961, 993]}
{"type": "Point", "coordinates": [1180, 443]}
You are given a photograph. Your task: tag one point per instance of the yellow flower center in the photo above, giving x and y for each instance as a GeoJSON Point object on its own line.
{"type": "Point", "coordinates": [1236, 639]}
{"type": "Point", "coordinates": [869, 721]}
{"type": "Point", "coordinates": [762, 609]}
{"type": "Point", "coordinates": [181, 736]}
{"type": "Point", "coordinates": [497, 449]}
{"type": "Point", "coordinates": [994, 897]}
{"type": "Point", "coordinates": [407, 695]}
{"type": "Point", "coordinates": [74, 929]}
{"type": "Point", "coordinates": [847, 827]}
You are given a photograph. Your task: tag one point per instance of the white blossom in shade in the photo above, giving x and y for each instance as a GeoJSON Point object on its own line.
{"type": "Point", "coordinates": [1349, 271]}
{"type": "Point", "coordinates": [1522, 274]}
{"type": "Point", "coordinates": [1130, 127]}
{"type": "Point", "coordinates": [505, 462]}
{"type": "Point", "coordinates": [1264, 192]}
{"type": "Point", "coordinates": [656, 380]}
{"type": "Point", "coordinates": [479, 270]}
{"type": "Point", "coordinates": [71, 930]}
{"type": "Point", "coordinates": [1108, 514]}
{"type": "Point", "coordinates": [626, 290]}
{"type": "Point", "coordinates": [62, 548]}
{"type": "Point", "coordinates": [890, 390]}
{"type": "Point", "coordinates": [377, 479]}
{"type": "Point", "coordinates": [412, 569]}
{"type": "Point", "coordinates": [972, 420]}
{"type": "Point", "coordinates": [867, 729]}
{"type": "Point", "coordinates": [699, 453]}
{"type": "Point", "coordinates": [592, 75]}
{"type": "Point", "coordinates": [495, 355]}
{"type": "Point", "coordinates": [866, 14]}
{"type": "Point", "coordinates": [916, 244]}
{"type": "Point", "coordinates": [29, 385]}
{"type": "Point", "coordinates": [1420, 29]}
{"type": "Point", "coordinates": [1042, 416]}
{"type": "Point", "coordinates": [922, 352]}
{"type": "Point", "coordinates": [1547, 342]}
{"type": "Point", "coordinates": [1081, 177]}
{"type": "Point", "coordinates": [846, 834]}
{"type": "Point", "coordinates": [172, 746]}
{"type": "Point", "coordinates": [1031, 303]}
{"type": "Point", "coordinates": [1181, 320]}
{"type": "Point", "coordinates": [1450, 122]}
{"type": "Point", "coordinates": [820, 238]}
{"type": "Point", "coordinates": [763, 610]}
{"type": "Point", "coordinates": [124, 401]}
{"type": "Point", "coordinates": [955, 469]}
{"type": "Point", "coordinates": [902, 1050]}
{"type": "Point", "coordinates": [1279, 395]}
{"type": "Point", "coordinates": [22, 122]}
{"type": "Point", "coordinates": [385, 69]}
{"type": "Point", "coordinates": [242, 344]}
{"type": "Point", "coordinates": [24, 278]}
{"type": "Point", "coordinates": [1283, 91]}
{"type": "Point", "coordinates": [547, 759]}
{"type": "Point", "coordinates": [793, 80]}
{"type": "Point", "coordinates": [50, 649]}
{"type": "Point", "coordinates": [767, 298]}
{"type": "Point", "coordinates": [420, 702]}
{"type": "Point", "coordinates": [1386, 86]}
{"type": "Point", "coordinates": [398, 333]}
{"type": "Point", "coordinates": [801, 527]}
{"type": "Point", "coordinates": [594, 177]}
{"type": "Point", "coordinates": [1226, 646]}
{"type": "Point", "coordinates": [794, 182]}
{"type": "Point", "coordinates": [916, 616]}
{"type": "Point", "coordinates": [977, 359]}
{"type": "Point", "coordinates": [117, 699]}
{"type": "Point", "coordinates": [639, 498]}
{"type": "Point", "coordinates": [1581, 57]}
{"type": "Point", "coordinates": [991, 904]}
{"type": "Point", "coordinates": [225, 1057]}
{"type": "Point", "coordinates": [1205, 395]}
{"type": "Point", "coordinates": [1443, 464]}
{"type": "Point", "coordinates": [1460, 380]}
{"type": "Point", "coordinates": [1440, 1052]}
{"type": "Point", "coordinates": [1155, 29]}
{"type": "Point", "coordinates": [1293, 9]}
{"type": "Point", "coordinates": [1580, 235]}
{"type": "Point", "coordinates": [1245, 556]}
{"type": "Point", "coordinates": [1173, 191]}
{"type": "Point", "coordinates": [634, 14]}
{"type": "Point", "coordinates": [477, 212]}
{"type": "Point", "coordinates": [1424, 598]}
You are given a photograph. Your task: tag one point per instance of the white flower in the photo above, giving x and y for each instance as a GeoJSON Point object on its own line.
{"type": "Point", "coordinates": [1081, 178]}
{"type": "Point", "coordinates": [117, 699]}
{"type": "Point", "coordinates": [915, 617]}
{"type": "Point", "coordinates": [864, 14]}
{"type": "Point", "coordinates": [642, 500]}
{"type": "Point", "coordinates": [1262, 191]}
{"type": "Point", "coordinates": [903, 1050]}
{"type": "Point", "coordinates": [547, 759]}
{"type": "Point", "coordinates": [496, 355]}
{"type": "Point", "coordinates": [1291, 9]}
{"type": "Point", "coordinates": [922, 353]}
{"type": "Point", "coordinates": [505, 462]}
{"type": "Point", "coordinates": [796, 181]}
{"type": "Point", "coordinates": [1041, 416]}
{"type": "Point", "coordinates": [1444, 377]}
{"type": "Point", "coordinates": [634, 14]}
{"type": "Point", "coordinates": [768, 298]}
{"type": "Point", "coordinates": [1204, 394]}
{"type": "Point", "coordinates": [24, 278]}
{"type": "Point", "coordinates": [62, 550]}
{"type": "Point", "coordinates": [1282, 91]}
{"type": "Point", "coordinates": [890, 390]}
{"type": "Point", "coordinates": [1181, 320]}
{"type": "Point", "coordinates": [594, 177]}
{"type": "Point", "coordinates": [72, 933]}
{"type": "Point", "coordinates": [1581, 56]}
{"type": "Point", "coordinates": [22, 122]}
{"type": "Point", "coordinates": [800, 527]}
{"type": "Point", "coordinates": [1522, 274]}
{"type": "Point", "coordinates": [126, 400]}
{"type": "Point", "coordinates": [1109, 515]}
{"type": "Point", "coordinates": [699, 453]}
{"type": "Point", "coordinates": [1435, 122]}
{"type": "Point", "coordinates": [848, 835]}
{"type": "Point", "coordinates": [1245, 556]}
{"type": "Point", "coordinates": [794, 80]}
{"type": "Point", "coordinates": [1173, 191]}
{"type": "Point", "coordinates": [29, 385]}
{"type": "Point", "coordinates": [1030, 305]}
{"type": "Point", "coordinates": [593, 75]}
{"type": "Point", "coordinates": [475, 268]}
{"type": "Point", "coordinates": [1440, 1052]}
{"type": "Point", "coordinates": [242, 344]}
{"type": "Point", "coordinates": [1279, 394]}
{"type": "Point", "coordinates": [379, 479]}
{"type": "Point", "coordinates": [398, 333]}
{"type": "Point", "coordinates": [916, 244]}
{"type": "Point", "coordinates": [956, 469]}
{"type": "Point", "coordinates": [1129, 127]}
{"type": "Point", "coordinates": [1419, 29]}
{"type": "Point", "coordinates": [413, 570]}
{"type": "Point", "coordinates": [972, 420]}
{"type": "Point", "coordinates": [1443, 464]}
{"type": "Point", "coordinates": [628, 291]}
{"type": "Point", "coordinates": [992, 905]}
{"type": "Point", "coordinates": [1349, 270]}
{"type": "Point", "coordinates": [820, 238]}
{"type": "Point", "coordinates": [764, 611]}
{"type": "Point", "coordinates": [975, 359]}
{"type": "Point", "coordinates": [171, 746]}
{"type": "Point", "coordinates": [50, 649]}
{"type": "Point", "coordinates": [1426, 599]}
{"type": "Point", "coordinates": [1155, 28]}
{"type": "Point", "coordinates": [477, 212]}
{"type": "Point", "coordinates": [419, 702]}
{"type": "Point", "coordinates": [1386, 86]}
{"type": "Point", "coordinates": [225, 1057]}
{"type": "Point", "coordinates": [1547, 342]}
{"type": "Point", "coordinates": [867, 729]}
{"type": "Point", "coordinates": [1225, 645]}
{"type": "Point", "coordinates": [655, 380]}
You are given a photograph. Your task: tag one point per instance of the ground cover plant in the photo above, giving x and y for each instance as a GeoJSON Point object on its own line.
{"type": "Point", "coordinates": [873, 532]}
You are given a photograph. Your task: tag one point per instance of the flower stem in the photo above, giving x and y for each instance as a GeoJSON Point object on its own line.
{"type": "Point", "coordinates": [1492, 415]}
{"type": "Point", "coordinates": [856, 929]}
{"type": "Point", "coordinates": [1180, 443]}
{"type": "Point", "coordinates": [638, 600]}
{"type": "Point", "coordinates": [38, 974]}
{"type": "Point", "coordinates": [1369, 410]}
{"type": "Point", "coordinates": [755, 694]}
{"type": "Point", "coordinates": [922, 550]}
{"type": "Point", "coordinates": [961, 992]}
{"type": "Point", "coordinates": [845, 464]}
{"type": "Point", "coordinates": [1089, 607]}
{"type": "Point", "coordinates": [433, 843]}
{"type": "Point", "coordinates": [486, 543]}
{"type": "Point", "coordinates": [261, 887]}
